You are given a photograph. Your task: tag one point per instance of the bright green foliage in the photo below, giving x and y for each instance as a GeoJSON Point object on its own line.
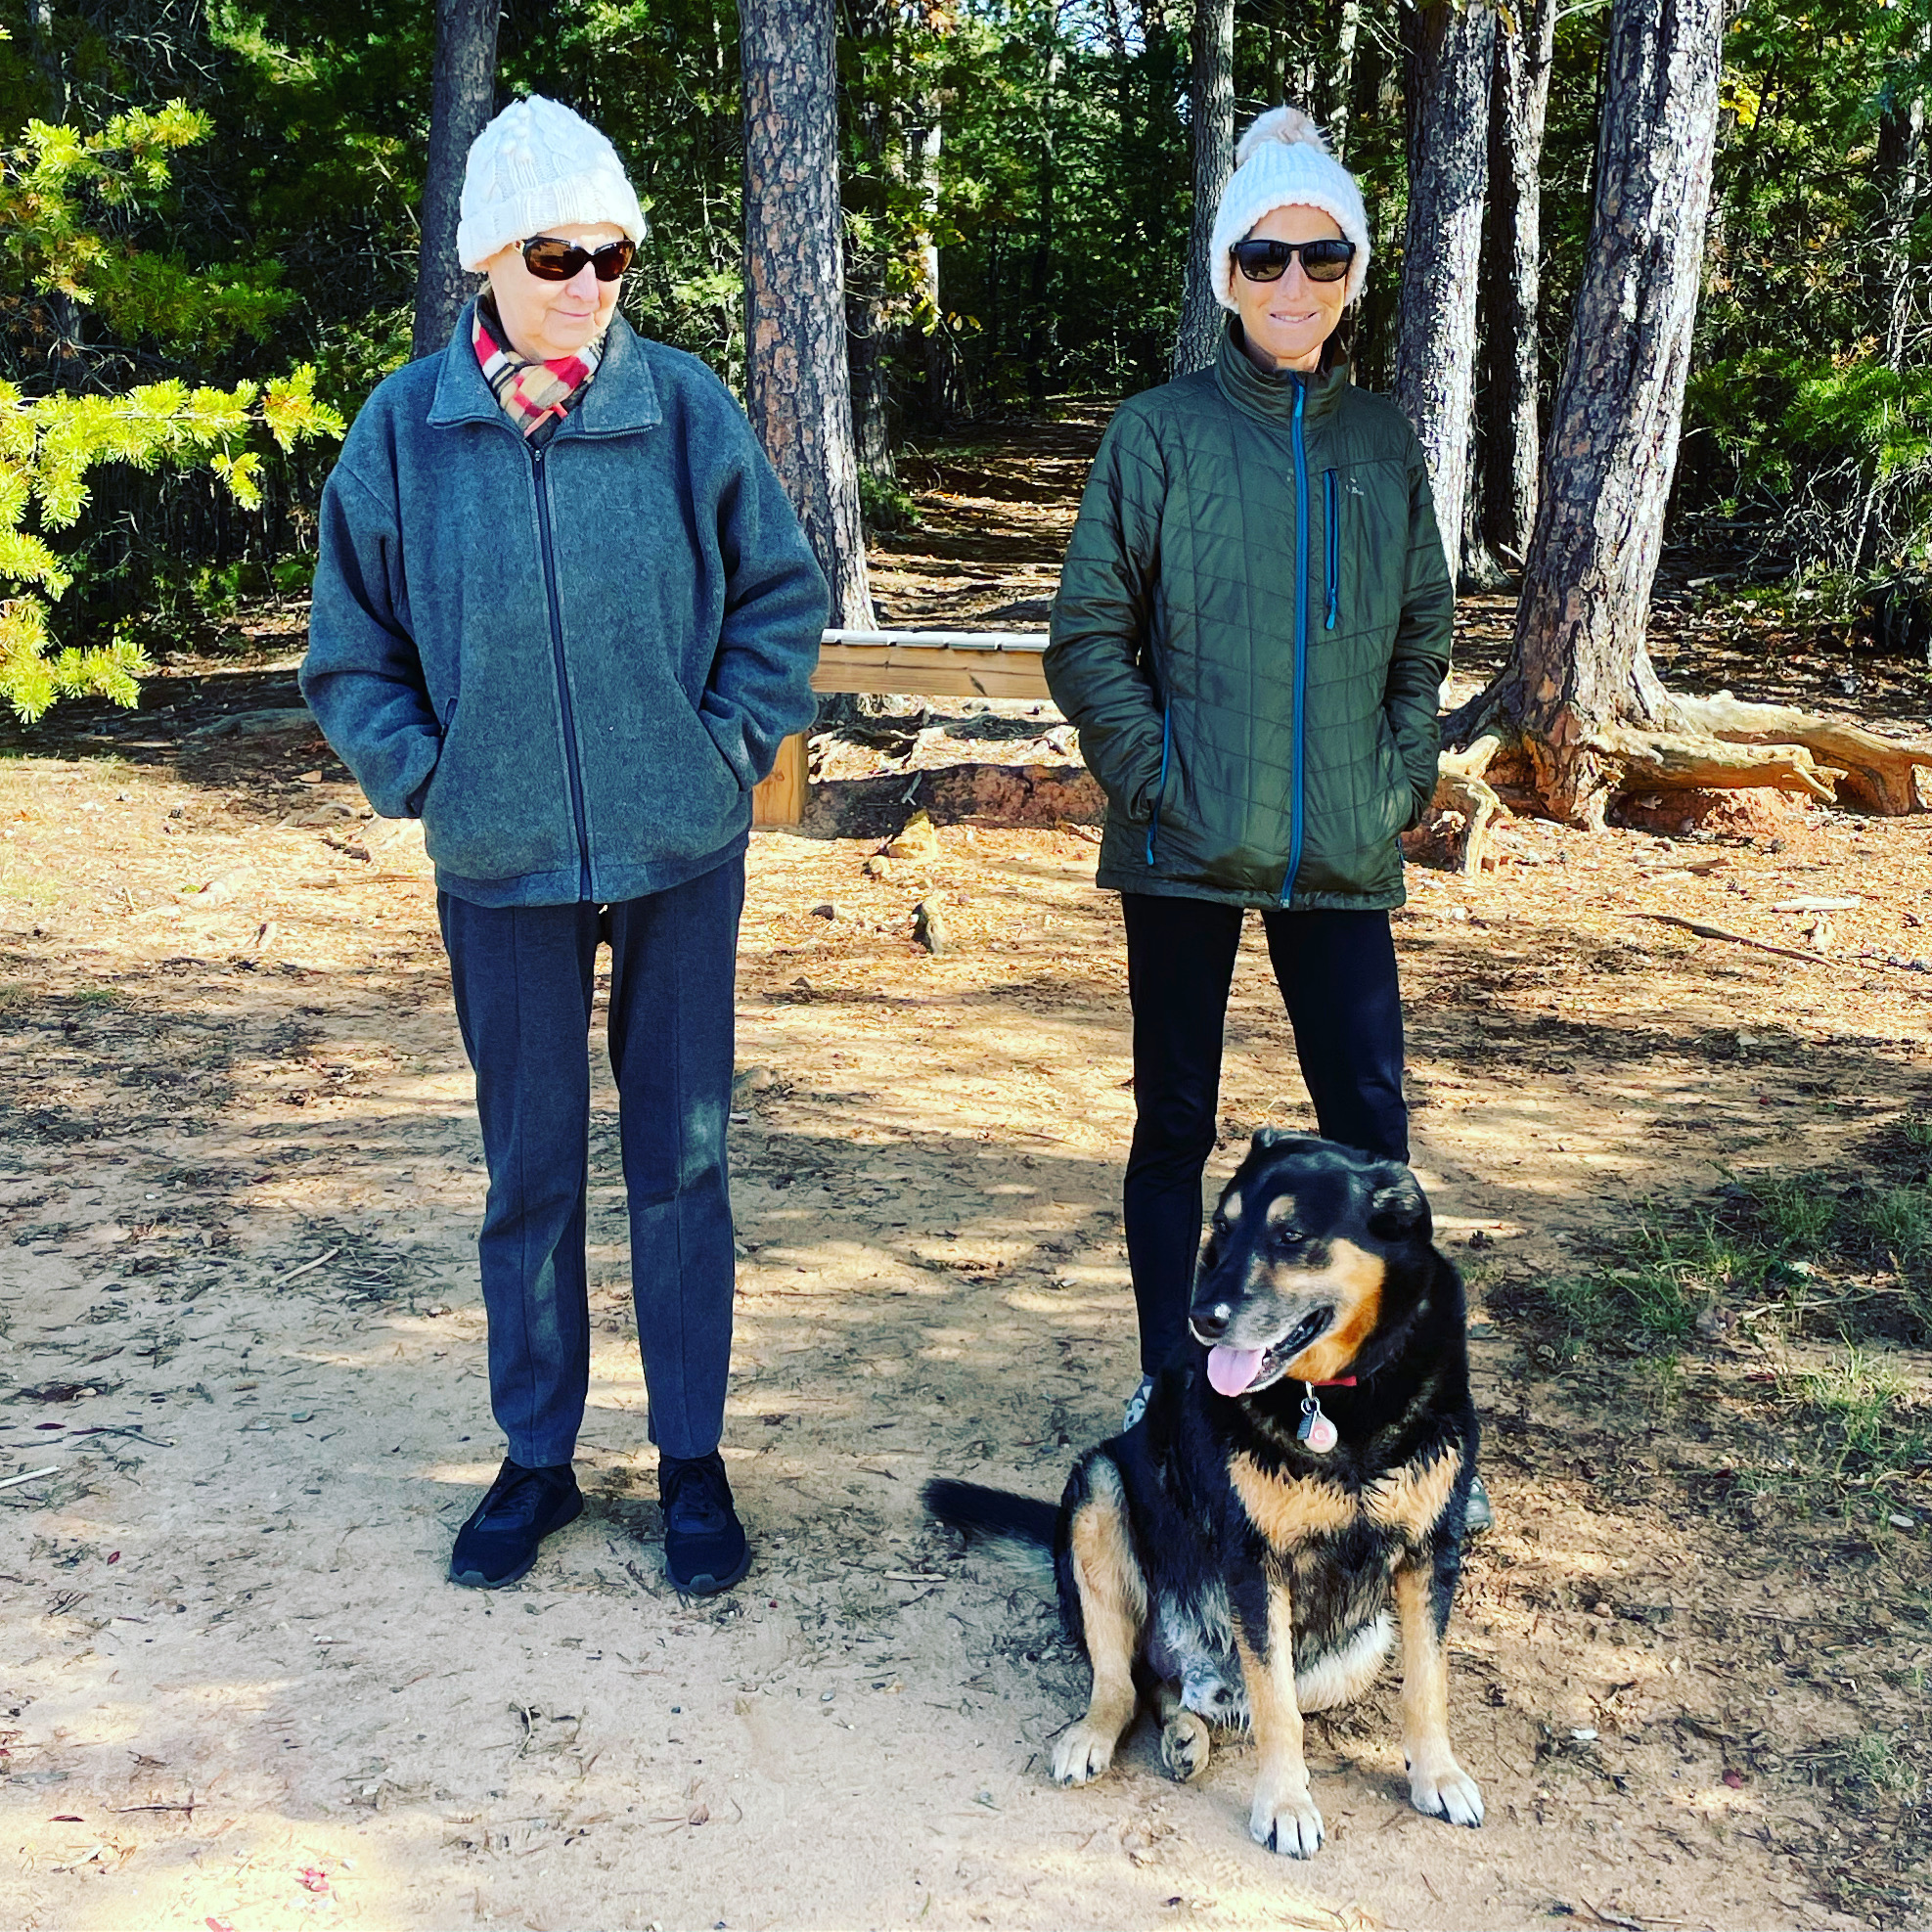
{"type": "Point", "coordinates": [1814, 341]}
{"type": "Point", "coordinates": [49, 244]}
{"type": "Point", "coordinates": [55, 255]}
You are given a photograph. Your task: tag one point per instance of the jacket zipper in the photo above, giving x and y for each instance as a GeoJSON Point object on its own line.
{"type": "Point", "coordinates": [562, 680]}
{"type": "Point", "coordinates": [1295, 783]}
{"type": "Point", "coordinates": [1332, 505]}
{"type": "Point", "coordinates": [1161, 789]}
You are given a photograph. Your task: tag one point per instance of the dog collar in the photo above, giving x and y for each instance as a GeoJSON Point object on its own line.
{"type": "Point", "coordinates": [1340, 1382]}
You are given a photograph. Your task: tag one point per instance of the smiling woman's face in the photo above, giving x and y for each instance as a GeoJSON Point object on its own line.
{"type": "Point", "coordinates": [547, 320]}
{"type": "Point", "coordinates": [1286, 322]}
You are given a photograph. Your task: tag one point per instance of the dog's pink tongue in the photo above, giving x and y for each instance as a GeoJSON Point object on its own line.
{"type": "Point", "coordinates": [1231, 1370]}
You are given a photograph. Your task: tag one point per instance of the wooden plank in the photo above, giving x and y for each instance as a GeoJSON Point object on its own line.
{"type": "Point", "coordinates": [929, 672]}
{"type": "Point", "coordinates": [952, 668]}
{"type": "Point", "coordinates": [780, 799]}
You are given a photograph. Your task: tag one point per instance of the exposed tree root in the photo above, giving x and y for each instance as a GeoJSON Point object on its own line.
{"type": "Point", "coordinates": [1690, 761]}
{"type": "Point", "coordinates": [1885, 775]}
{"type": "Point", "coordinates": [1694, 744]}
{"type": "Point", "coordinates": [1465, 805]}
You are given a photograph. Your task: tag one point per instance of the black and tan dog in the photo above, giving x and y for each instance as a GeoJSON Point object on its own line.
{"type": "Point", "coordinates": [1309, 1460]}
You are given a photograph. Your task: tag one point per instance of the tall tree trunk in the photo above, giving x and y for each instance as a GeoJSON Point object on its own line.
{"type": "Point", "coordinates": [1518, 108]}
{"type": "Point", "coordinates": [1339, 95]}
{"type": "Point", "coordinates": [1580, 682]}
{"type": "Point", "coordinates": [1448, 52]}
{"type": "Point", "coordinates": [1042, 326]}
{"type": "Point", "coordinates": [939, 349]}
{"type": "Point", "coordinates": [47, 56]}
{"type": "Point", "coordinates": [1211, 119]}
{"type": "Point", "coordinates": [867, 248]}
{"type": "Point", "coordinates": [463, 94]}
{"type": "Point", "coordinates": [797, 389]}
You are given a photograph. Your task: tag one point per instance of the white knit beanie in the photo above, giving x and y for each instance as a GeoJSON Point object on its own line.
{"type": "Point", "coordinates": [1283, 162]}
{"type": "Point", "coordinates": [537, 166]}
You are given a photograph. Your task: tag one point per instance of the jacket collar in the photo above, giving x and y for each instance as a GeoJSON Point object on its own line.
{"type": "Point", "coordinates": [1273, 396]}
{"type": "Point", "coordinates": [620, 401]}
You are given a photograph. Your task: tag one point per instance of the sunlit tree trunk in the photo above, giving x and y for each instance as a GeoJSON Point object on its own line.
{"type": "Point", "coordinates": [1448, 52]}
{"type": "Point", "coordinates": [1337, 98]}
{"type": "Point", "coordinates": [1580, 683]}
{"type": "Point", "coordinates": [1211, 118]}
{"type": "Point", "coordinates": [462, 97]}
{"type": "Point", "coordinates": [797, 389]}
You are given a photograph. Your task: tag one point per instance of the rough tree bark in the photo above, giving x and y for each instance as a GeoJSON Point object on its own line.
{"type": "Point", "coordinates": [797, 389]}
{"type": "Point", "coordinates": [1579, 697]}
{"type": "Point", "coordinates": [1448, 52]}
{"type": "Point", "coordinates": [463, 95]}
{"type": "Point", "coordinates": [1519, 103]}
{"type": "Point", "coordinates": [1211, 119]}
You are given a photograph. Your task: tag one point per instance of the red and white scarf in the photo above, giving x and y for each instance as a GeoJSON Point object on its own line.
{"type": "Point", "coordinates": [536, 397]}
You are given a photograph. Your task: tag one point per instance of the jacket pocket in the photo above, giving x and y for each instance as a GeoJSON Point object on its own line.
{"type": "Point", "coordinates": [1161, 785]}
{"type": "Point", "coordinates": [1400, 795]}
{"type": "Point", "coordinates": [1331, 530]}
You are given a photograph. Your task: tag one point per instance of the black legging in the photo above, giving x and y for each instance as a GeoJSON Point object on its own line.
{"type": "Point", "coordinates": [1336, 971]}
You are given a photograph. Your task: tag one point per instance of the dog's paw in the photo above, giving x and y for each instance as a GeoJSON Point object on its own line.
{"type": "Point", "coordinates": [1082, 1754]}
{"type": "Point", "coordinates": [1447, 1791]}
{"type": "Point", "coordinates": [1286, 1823]}
{"type": "Point", "coordinates": [1186, 1744]}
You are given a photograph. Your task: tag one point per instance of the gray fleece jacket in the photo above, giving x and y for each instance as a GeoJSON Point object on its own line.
{"type": "Point", "coordinates": [573, 663]}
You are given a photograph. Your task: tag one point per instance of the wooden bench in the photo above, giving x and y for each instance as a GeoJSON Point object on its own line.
{"type": "Point", "coordinates": [903, 664]}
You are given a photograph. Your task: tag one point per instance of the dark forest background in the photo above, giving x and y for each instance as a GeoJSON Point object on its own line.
{"type": "Point", "coordinates": [1016, 186]}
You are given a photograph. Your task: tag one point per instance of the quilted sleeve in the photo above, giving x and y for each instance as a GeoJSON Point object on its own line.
{"type": "Point", "coordinates": [1420, 659]}
{"type": "Point", "coordinates": [1096, 660]}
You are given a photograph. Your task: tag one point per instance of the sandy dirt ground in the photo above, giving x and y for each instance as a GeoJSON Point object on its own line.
{"type": "Point", "coordinates": [241, 1366]}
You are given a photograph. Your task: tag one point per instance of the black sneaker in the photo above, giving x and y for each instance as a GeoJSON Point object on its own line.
{"type": "Point", "coordinates": [498, 1543]}
{"type": "Point", "coordinates": [704, 1547]}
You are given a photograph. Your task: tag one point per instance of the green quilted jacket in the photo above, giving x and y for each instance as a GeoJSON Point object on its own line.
{"type": "Point", "coordinates": [1251, 628]}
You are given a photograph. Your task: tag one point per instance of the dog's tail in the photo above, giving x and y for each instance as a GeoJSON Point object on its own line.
{"type": "Point", "coordinates": [1023, 1523]}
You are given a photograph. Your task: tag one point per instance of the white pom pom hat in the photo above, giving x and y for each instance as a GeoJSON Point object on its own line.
{"type": "Point", "coordinates": [537, 166]}
{"type": "Point", "coordinates": [1283, 162]}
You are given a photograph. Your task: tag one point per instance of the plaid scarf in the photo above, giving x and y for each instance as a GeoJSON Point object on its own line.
{"type": "Point", "coordinates": [536, 397]}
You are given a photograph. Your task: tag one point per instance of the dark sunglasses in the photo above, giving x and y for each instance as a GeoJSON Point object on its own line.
{"type": "Point", "coordinates": [552, 260]}
{"type": "Point", "coordinates": [1268, 261]}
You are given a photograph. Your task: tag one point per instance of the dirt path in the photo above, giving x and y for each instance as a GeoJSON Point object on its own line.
{"type": "Point", "coordinates": [239, 1191]}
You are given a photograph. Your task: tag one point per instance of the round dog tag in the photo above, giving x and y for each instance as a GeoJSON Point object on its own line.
{"type": "Point", "coordinates": [1316, 1434]}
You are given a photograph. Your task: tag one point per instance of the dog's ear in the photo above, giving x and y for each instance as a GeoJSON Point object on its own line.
{"type": "Point", "coordinates": [1398, 1209]}
{"type": "Point", "coordinates": [1266, 1138]}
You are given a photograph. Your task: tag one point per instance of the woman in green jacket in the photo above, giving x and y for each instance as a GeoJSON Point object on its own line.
{"type": "Point", "coordinates": [1251, 628]}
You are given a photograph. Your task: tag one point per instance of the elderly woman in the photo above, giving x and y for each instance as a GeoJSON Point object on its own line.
{"type": "Point", "coordinates": [564, 615]}
{"type": "Point", "coordinates": [1250, 631]}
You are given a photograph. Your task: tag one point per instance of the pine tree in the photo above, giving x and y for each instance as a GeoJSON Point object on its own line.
{"type": "Point", "coordinates": [59, 273]}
